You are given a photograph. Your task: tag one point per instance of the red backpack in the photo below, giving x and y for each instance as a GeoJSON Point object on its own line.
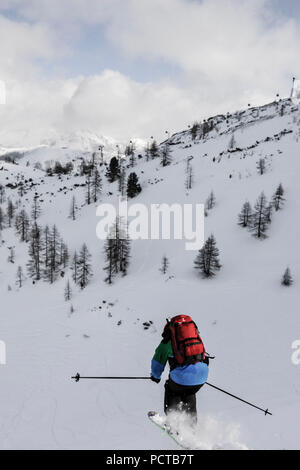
{"type": "Point", "coordinates": [188, 347]}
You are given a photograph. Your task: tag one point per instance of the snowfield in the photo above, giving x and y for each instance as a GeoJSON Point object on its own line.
{"type": "Point", "coordinates": [246, 318]}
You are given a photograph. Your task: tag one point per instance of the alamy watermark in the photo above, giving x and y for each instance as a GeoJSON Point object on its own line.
{"type": "Point", "coordinates": [2, 353]}
{"type": "Point", "coordinates": [296, 353]}
{"type": "Point", "coordinates": [155, 222]}
{"type": "Point", "coordinates": [2, 92]}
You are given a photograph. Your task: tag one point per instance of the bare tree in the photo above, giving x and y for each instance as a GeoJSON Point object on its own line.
{"type": "Point", "coordinates": [245, 216]}
{"type": "Point", "coordinates": [260, 221]}
{"type": "Point", "coordinates": [73, 209]}
{"type": "Point", "coordinates": [261, 166]}
{"type": "Point", "coordinates": [20, 277]}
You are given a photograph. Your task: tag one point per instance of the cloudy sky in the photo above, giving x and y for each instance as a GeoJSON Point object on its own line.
{"type": "Point", "coordinates": [135, 68]}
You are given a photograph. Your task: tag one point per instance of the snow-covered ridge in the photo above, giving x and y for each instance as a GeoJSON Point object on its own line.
{"type": "Point", "coordinates": [231, 122]}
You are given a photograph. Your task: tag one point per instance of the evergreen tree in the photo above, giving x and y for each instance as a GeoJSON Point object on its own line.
{"type": "Point", "coordinates": [154, 151]}
{"type": "Point", "coordinates": [35, 253]}
{"type": "Point", "coordinates": [2, 194]}
{"type": "Point", "coordinates": [88, 197]}
{"type": "Point", "coordinates": [10, 212]}
{"type": "Point", "coordinates": [166, 155]}
{"type": "Point", "coordinates": [94, 160]}
{"type": "Point", "coordinates": [21, 189]}
{"type": "Point", "coordinates": [189, 175]}
{"type": "Point", "coordinates": [63, 254]}
{"type": "Point", "coordinates": [36, 209]}
{"type": "Point", "coordinates": [84, 269]}
{"type": "Point", "coordinates": [132, 159]}
{"type": "Point", "coordinates": [73, 209]}
{"type": "Point", "coordinates": [194, 130]}
{"type": "Point", "coordinates": [245, 216]}
{"type": "Point", "coordinates": [260, 222]}
{"type": "Point", "coordinates": [113, 170]}
{"type": "Point", "coordinates": [207, 260]}
{"type": "Point", "coordinates": [287, 279]}
{"type": "Point", "coordinates": [164, 265]}
{"type": "Point", "coordinates": [207, 127]}
{"type": "Point", "coordinates": [122, 181]}
{"type": "Point", "coordinates": [261, 166]}
{"type": "Point", "coordinates": [133, 186]}
{"type": "Point", "coordinates": [52, 267]}
{"type": "Point", "coordinates": [123, 248]}
{"type": "Point", "coordinates": [130, 152]}
{"type": "Point", "coordinates": [117, 251]}
{"type": "Point", "coordinates": [22, 225]}
{"type": "Point", "coordinates": [147, 153]}
{"type": "Point", "coordinates": [46, 247]}
{"type": "Point", "coordinates": [20, 277]}
{"type": "Point", "coordinates": [278, 199]}
{"type": "Point", "coordinates": [74, 267]}
{"type": "Point", "coordinates": [2, 220]}
{"type": "Point", "coordinates": [111, 266]}
{"type": "Point", "coordinates": [211, 201]}
{"type": "Point", "coordinates": [68, 291]}
{"type": "Point", "coordinates": [96, 185]}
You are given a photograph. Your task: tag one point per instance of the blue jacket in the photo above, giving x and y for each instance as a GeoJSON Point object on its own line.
{"type": "Point", "coordinates": [192, 374]}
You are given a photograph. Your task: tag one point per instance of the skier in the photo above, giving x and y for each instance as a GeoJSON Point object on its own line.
{"type": "Point", "coordinates": [183, 348]}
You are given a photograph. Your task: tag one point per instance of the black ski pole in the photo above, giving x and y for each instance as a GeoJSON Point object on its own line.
{"type": "Point", "coordinates": [267, 412]}
{"type": "Point", "coordinates": [78, 377]}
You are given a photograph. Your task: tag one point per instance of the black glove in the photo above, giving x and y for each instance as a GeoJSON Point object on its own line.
{"type": "Point", "coordinates": [154, 379]}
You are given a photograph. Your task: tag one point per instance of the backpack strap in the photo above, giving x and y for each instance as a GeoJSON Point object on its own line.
{"type": "Point", "coordinates": [177, 354]}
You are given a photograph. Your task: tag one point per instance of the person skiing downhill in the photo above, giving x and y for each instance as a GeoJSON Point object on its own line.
{"type": "Point", "coordinates": [183, 348]}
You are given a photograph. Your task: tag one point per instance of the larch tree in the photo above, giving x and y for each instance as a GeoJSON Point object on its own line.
{"type": "Point", "coordinates": [68, 291]}
{"type": "Point", "coordinates": [84, 268]}
{"type": "Point", "coordinates": [73, 208]}
{"type": "Point", "coordinates": [36, 208]}
{"type": "Point", "coordinates": [260, 221]}
{"type": "Point", "coordinates": [166, 157]}
{"type": "Point", "coordinates": [207, 260]}
{"type": "Point", "coordinates": [261, 166]}
{"type": "Point", "coordinates": [34, 265]}
{"type": "Point", "coordinates": [10, 212]}
{"type": "Point", "coordinates": [22, 225]}
{"type": "Point", "coordinates": [278, 199]}
{"type": "Point", "coordinates": [96, 185]}
{"type": "Point", "coordinates": [245, 216]}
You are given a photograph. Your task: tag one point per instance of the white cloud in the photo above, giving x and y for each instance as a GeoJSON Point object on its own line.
{"type": "Point", "coordinates": [125, 108]}
{"type": "Point", "coordinates": [22, 45]}
{"type": "Point", "coordinates": [228, 53]}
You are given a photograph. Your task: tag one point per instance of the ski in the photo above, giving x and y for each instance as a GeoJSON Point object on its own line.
{"type": "Point", "coordinates": [160, 422]}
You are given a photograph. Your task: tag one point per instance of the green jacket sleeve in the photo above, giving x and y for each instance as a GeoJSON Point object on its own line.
{"type": "Point", "coordinates": [163, 352]}
{"type": "Point", "coordinates": [160, 358]}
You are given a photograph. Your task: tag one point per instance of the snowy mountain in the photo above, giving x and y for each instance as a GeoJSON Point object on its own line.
{"type": "Point", "coordinates": [245, 316]}
{"type": "Point", "coordinates": [53, 144]}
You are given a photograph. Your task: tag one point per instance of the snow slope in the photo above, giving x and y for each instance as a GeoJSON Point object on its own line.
{"type": "Point", "coordinates": [246, 318]}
